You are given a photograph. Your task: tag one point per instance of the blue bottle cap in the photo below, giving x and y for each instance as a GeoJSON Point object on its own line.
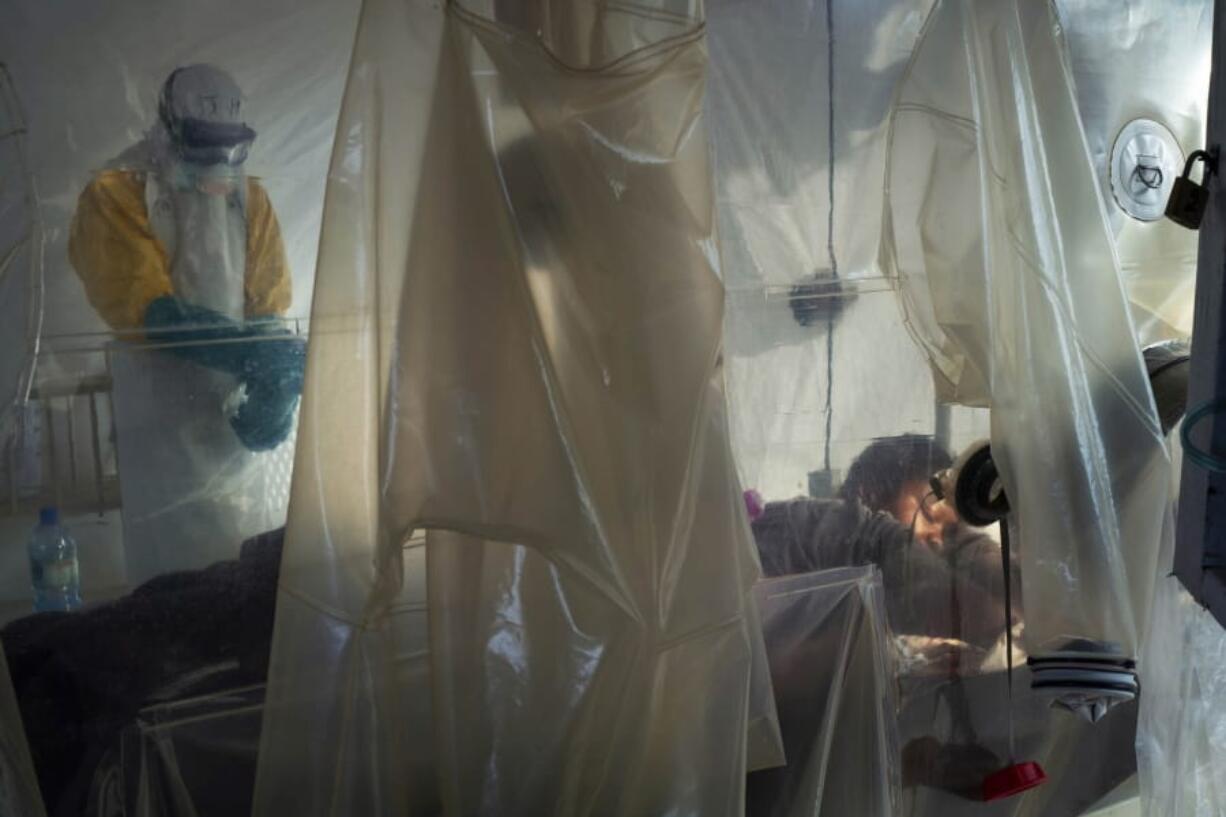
{"type": "Point", "coordinates": [49, 516]}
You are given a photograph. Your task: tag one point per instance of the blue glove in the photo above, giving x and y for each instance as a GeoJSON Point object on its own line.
{"type": "Point", "coordinates": [274, 357]}
{"type": "Point", "coordinates": [197, 334]}
{"type": "Point", "coordinates": [266, 419]}
{"type": "Point", "coordinates": [266, 359]}
{"type": "Point", "coordinates": [273, 373]}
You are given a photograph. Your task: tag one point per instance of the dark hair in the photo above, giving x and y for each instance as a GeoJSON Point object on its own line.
{"type": "Point", "coordinates": [878, 475]}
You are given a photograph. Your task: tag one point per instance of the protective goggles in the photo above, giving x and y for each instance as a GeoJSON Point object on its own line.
{"type": "Point", "coordinates": [201, 142]}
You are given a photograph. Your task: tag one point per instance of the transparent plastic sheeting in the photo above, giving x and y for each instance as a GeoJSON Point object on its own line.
{"type": "Point", "coordinates": [1181, 735]}
{"type": "Point", "coordinates": [170, 761]}
{"type": "Point", "coordinates": [530, 375]}
{"type": "Point", "coordinates": [191, 490]}
{"type": "Point", "coordinates": [954, 729]}
{"type": "Point", "coordinates": [945, 609]}
{"type": "Point", "coordinates": [997, 235]}
{"type": "Point", "coordinates": [833, 682]}
{"type": "Point", "coordinates": [21, 259]}
{"type": "Point", "coordinates": [800, 180]}
{"type": "Point", "coordinates": [1143, 59]}
{"type": "Point", "coordinates": [21, 302]}
{"type": "Point", "coordinates": [814, 376]}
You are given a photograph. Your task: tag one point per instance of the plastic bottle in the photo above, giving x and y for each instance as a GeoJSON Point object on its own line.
{"type": "Point", "coordinates": [54, 573]}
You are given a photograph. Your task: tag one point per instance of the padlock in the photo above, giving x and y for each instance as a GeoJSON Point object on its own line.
{"type": "Point", "coordinates": [1186, 206]}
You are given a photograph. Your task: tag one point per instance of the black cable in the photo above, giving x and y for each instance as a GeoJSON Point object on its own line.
{"type": "Point", "coordinates": [1004, 553]}
{"type": "Point", "coordinates": [829, 383]}
{"type": "Point", "coordinates": [906, 581]}
{"type": "Point", "coordinates": [834, 264]}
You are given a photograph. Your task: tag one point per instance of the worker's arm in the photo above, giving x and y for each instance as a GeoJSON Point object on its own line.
{"type": "Point", "coordinates": [114, 251]}
{"type": "Point", "coordinates": [804, 534]}
{"type": "Point", "coordinates": [269, 288]}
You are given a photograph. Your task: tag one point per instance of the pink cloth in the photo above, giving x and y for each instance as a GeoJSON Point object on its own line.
{"type": "Point", "coordinates": [754, 504]}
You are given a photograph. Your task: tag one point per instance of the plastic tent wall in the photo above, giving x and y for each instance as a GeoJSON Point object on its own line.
{"type": "Point", "coordinates": [1022, 308]}
{"type": "Point", "coordinates": [531, 376]}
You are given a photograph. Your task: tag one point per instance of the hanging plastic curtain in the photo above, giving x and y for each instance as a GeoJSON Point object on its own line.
{"type": "Point", "coordinates": [833, 678]}
{"type": "Point", "coordinates": [998, 237]}
{"type": "Point", "coordinates": [835, 416]}
{"type": "Point", "coordinates": [21, 298]}
{"type": "Point", "coordinates": [1142, 76]}
{"type": "Point", "coordinates": [516, 350]}
{"type": "Point", "coordinates": [21, 259]}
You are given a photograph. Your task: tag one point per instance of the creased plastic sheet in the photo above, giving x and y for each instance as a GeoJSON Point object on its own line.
{"type": "Point", "coordinates": [825, 380]}
{"type": "Point", "coordinates": [1180, 733]}
{"type": "Point", "coordinates": [1143, 59]}
{"type": "Point", "coordinates": [998, 237]}
{"type": "Point", "coordinates": [21, 258]}
{"type": "Point", "coordinates": [191, 491]}
{"type": "Point", "coordinates": [818, 363]}
{"type": "Point", "coordinates": [531, 376]}
{"type": "Point", "coordinates": [21, 295]}
{"type": "Point", "coordinates": [1181, 737]}
{"type": "Point", "coordinates": [833, 681]}
{"type": "Point", "coordinates": [170, 760]}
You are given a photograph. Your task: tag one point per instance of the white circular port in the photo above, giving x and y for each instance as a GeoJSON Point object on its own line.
{"type": "Point", "coordinates": [1145, 161]}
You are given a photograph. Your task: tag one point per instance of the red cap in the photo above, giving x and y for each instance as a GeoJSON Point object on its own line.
{"type": "Point", "coordinates": [1013, 780]}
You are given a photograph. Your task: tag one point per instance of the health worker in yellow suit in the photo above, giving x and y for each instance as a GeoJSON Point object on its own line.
{"type": "Point", "coordinates": [180, 252]}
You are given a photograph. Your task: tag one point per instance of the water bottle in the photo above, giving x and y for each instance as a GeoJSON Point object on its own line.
{"type": "Point", "coordinates": [54, 574]}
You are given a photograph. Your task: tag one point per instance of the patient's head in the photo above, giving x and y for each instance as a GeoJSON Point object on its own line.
{"type": "Point", "coordinates": [891, 475]}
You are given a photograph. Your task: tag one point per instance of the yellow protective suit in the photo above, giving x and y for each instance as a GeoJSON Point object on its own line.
{"type": "Point", "coordinates": [191, 491]}
{"type": "Point", "coordinates": [124, 267]}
